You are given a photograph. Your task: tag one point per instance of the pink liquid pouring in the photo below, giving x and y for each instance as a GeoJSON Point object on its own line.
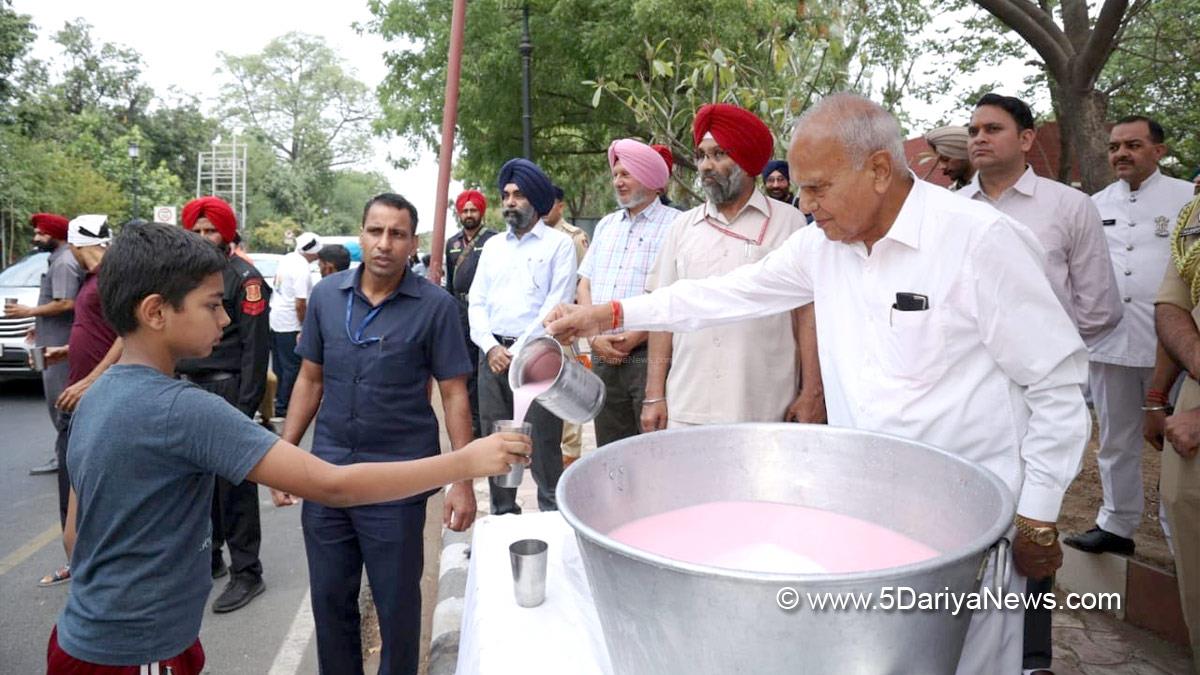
{"type": "Point", "coordinates": [539, 376]}
{"type": "Point", "coordinates": [771, 537]}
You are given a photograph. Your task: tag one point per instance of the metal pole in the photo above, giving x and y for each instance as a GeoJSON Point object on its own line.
{"type": "Point", "coordinates": [133, 166]}
{"type": "Point", "coordinates": [437, 245]}
{"type": "Point", "coordinates": [526, 104]}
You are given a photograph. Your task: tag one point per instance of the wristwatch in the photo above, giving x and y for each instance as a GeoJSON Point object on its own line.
{"type": "Point", "coordinates": [1042, 535]}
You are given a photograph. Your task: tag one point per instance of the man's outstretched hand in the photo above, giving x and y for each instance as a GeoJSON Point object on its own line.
{"type": "Point", "coordinates": [567, 323]}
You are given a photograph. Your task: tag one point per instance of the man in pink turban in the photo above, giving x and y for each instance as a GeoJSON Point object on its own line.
{"type": "Point", "coordinates": [624, 246]}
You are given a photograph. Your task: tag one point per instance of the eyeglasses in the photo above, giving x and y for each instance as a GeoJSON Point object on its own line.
{"type": "Point", "coordinates": [717, 156]}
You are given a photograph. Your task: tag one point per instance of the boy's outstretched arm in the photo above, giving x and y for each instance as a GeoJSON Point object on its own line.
{"type": "Point", "coordinates": [294, 471]}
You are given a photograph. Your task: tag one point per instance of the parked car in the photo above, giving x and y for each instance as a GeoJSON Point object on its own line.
{"type": "Point", "coordinates": [21, 280]}
{"type": "Point", "coordinates": [267, 263]}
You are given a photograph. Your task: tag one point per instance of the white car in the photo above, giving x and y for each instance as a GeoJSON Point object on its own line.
{"type": "Point", "coordinates": [22, 280]}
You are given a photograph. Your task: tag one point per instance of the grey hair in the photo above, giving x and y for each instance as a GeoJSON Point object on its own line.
{"type": "Point", "coordinates": [862, 126]}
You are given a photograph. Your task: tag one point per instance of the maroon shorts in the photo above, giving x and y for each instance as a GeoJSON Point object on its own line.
{"type": "Point", "coordinates": [58, 662]}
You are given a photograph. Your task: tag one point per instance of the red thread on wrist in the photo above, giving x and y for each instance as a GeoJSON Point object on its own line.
{"type": "Point", "coordinates": [616, 314]}
{"type": "Point", "coordinates": [1156, 396]}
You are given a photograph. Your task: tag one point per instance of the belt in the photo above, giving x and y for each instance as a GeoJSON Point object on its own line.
{"type": "Point", "coordinates": [505, 341]}
{"type": "Point", "coordinates": [205, 378]}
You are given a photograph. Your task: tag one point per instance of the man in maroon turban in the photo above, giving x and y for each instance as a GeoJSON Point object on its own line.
{"type": "Point", "coordinates": [237, 372]}
{"type": "Point", "coordinates": [462, 258]}
{"type": "Point", "coordinates": [744, 371]}
{"type": "Point", "coordinates": [54, 312]}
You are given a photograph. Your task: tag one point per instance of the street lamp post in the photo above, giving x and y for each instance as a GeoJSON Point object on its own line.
{"type": "Point", "coordinates": [526, 49]}
{"type": "Point", "coordinates": [133, 156]}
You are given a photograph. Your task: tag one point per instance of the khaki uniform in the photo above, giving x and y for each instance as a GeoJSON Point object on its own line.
{"type": "Point", "coordinates": [572, 437]}
{"type": "Point", "coordinates": [1180, 486]}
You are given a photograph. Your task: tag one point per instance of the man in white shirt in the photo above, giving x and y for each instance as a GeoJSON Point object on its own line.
{"type": "Point", "coordinates": [522, 274]}
{"type": "Point", "coordinates": [1067, 224]}
{"type": "Point", "coordinates": [616, 267]}
{"type": "Point", "coordinates": [289, 300]}
{"type": "Point", "coordinates": [914, 290]}
{"type": "Point", "coordinates": [743, 372]}
{"type": "Point", "coordinates": [1137, 212]}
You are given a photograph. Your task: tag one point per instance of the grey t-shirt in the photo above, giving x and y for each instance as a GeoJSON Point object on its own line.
{"type": "Point", "coordinates": [60, 282]}
{"type": "Point", "coordinates": [143, 451]}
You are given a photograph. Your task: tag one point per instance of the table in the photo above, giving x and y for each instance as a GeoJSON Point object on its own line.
{"type": "Point", "coordinates": [562, 635]}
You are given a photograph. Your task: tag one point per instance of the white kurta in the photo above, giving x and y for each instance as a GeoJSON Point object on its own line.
{"type": "Point", "coordinates": [992, 370]}
{"type": "Point", "coordinates": [737, 372]}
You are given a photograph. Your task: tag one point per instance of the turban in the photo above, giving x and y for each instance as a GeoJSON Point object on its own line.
{"type": "Point", "coordinates": [776, 165]}
{"type": "Point", "coordinates": [641, 161]}
{"type": "Point", "coordinates": [740, 134]}
{"type": "Point", "coordinates": [559, 195]}
{"type": "Point", "coordinates": [475, 197]}
{"type": "Point", "coordinates": [948, 141]}
{"type": "Point", "coordinates": [90, 230]}
{"type": "Point", "coordinates": [217, 211]}
{"type": "Point", "coordinates": [308, 243]}
{"type": "Point", "coordinates": [531, 180]}
{"type": "Point", "coordinates": [50, 224]}
{"type": "Point", "coordinates": [665, 152]}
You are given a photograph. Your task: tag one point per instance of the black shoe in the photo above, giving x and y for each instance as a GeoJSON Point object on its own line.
{"type": "Point", "coordinates": [219, 569]}
{"type": "Point", "coordinates": [1097, 540]}
{"type": "Point", "coordinates": [238, 593]}
{"type": "Point", "coordinates": [43, 469]}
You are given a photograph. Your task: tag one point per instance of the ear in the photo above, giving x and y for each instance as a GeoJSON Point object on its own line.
{"type": "Point", "coordinates": [1027, 137]}
{"type": "Point", "coordinates": [151, 311]}
{"type": "Point", "coordinates": [880, 165]}
{"type": "Point", "coordinates": [1160, 151]}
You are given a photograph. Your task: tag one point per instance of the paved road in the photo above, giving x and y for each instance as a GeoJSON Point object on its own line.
{"type": "Point", "coordinates": [271, 635]}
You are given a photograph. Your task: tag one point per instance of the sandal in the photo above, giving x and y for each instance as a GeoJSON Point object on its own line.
{"type": "Point", "coordinates": [59, 576]}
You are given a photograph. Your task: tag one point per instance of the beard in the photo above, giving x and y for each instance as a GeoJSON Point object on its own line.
{"type": "Point", "coordinates": [781, 194]}
{"type": "Point", "coordinates": [635, 198]}
{"type": "Point", "coordinates": [722, 189]}
{"type": "Point", "coordinates": [469, 223]}
{"type": "Point", "coordinates": [46, 246]}
{"type": "Point", "coordinates": [520, 218]}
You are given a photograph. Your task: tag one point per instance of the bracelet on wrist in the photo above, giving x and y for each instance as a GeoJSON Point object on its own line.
{"type": "Point", "coordinates": [1156, 408]}
{"type": "Point", "coordinates": [648, 401]}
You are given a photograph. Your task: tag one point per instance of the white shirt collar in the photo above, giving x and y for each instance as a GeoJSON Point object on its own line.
{"type": "Point", "coordinates": [538, 231]}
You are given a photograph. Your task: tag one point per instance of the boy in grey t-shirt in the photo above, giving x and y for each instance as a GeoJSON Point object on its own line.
{"type": "Point", "coordinates": [143, 451]}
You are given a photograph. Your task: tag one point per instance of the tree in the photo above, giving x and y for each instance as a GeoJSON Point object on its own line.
{"type": "Point", "coordinates": [298, 98]}
{"type": "Point", "coordinates": [16, 34]}
{"type": "Point", "coordinates": [1074, 55]}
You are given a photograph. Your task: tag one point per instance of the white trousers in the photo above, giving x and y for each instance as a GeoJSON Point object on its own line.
{"type": "Point", "coordinates": [1118, 393]}
{"type": "Point", "coordinates": [996, 638]}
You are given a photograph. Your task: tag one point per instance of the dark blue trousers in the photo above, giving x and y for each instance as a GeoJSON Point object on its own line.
{"type": "Point", "coordinates": [286, 364]}
{"type": "Point", "coordinates": [388, 539]}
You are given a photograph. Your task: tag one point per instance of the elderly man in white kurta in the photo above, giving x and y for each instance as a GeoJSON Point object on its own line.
{"type": "Point", "coordinates": [1137, 212]}
{"type": "Point", "coordinates": [960, 374]}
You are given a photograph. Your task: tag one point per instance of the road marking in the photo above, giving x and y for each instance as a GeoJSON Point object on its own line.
{"type": "Point", "coordinates": [29, 548]}
{"type": "Point", "coordinates": [295, 643]}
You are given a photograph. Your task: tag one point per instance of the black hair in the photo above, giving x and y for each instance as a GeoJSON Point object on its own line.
{"type": "Point", "coordinates": [1015, 107]}
{"type": "Point", "coordinates": [396, 202]}
{"type": "Point", "coordinates": [1156, 131]}
{"type": "Point", "coordinates": [336, 255]}
{"type": "Point", "coordinates": [425, 259]}
{"type": "Point", "coordinates": [148, 259]}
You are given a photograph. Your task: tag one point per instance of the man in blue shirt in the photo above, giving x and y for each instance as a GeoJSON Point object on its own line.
{"type": "Point", "coordinates": [372, 338]}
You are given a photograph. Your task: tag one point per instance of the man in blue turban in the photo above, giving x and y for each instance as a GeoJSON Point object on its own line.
{"type": "Point", "coordinates": [777, 182]}
{"type": "Point", "coordinates": [522, 274]}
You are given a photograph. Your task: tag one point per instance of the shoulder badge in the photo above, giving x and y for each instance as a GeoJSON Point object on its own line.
{"type": "Point", "coordinates": [253, 304]}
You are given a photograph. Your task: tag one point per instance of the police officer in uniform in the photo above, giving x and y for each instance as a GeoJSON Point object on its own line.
{"type": "Point", "coordinates": [462, 257]}
{"type": "Point", "coordinates": [237, 372]}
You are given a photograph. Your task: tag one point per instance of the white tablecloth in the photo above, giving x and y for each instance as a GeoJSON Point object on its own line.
{"type": "Point", "coordinates": [562, 635]}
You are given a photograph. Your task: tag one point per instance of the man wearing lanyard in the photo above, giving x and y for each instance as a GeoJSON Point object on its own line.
{"type": "Point", "coordinates": [738, 372]}
{"type": "Point", "coordinates": [914, 290]}
{"type": "Point", "coordinates": [522, 274]}
{"type": "Point", "coordinates": [372, 338]}
{"type": "Point", "coordinates": [462, 257]}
